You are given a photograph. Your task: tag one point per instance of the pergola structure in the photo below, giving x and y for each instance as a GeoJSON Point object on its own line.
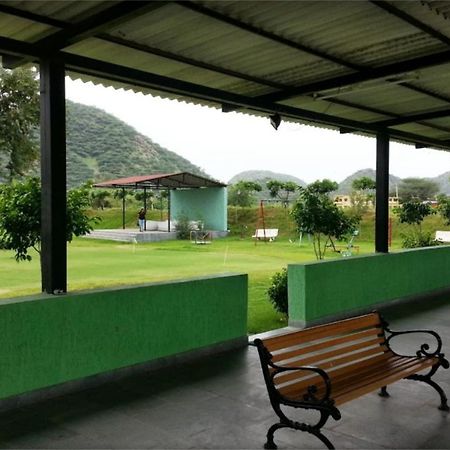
{"type": "Point", "coordinates": [159, 181]}
{"type": "Point", "coordinates": [377, 68]}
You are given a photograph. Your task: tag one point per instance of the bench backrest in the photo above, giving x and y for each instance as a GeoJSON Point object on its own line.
{"type": "Point", "coordinates": [267, 233]}
{"type": "Point", "coordinates": [336, 347]}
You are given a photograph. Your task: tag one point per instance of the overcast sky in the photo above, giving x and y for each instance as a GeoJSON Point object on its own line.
{"type": "Point", "coordinates": [226, 144]}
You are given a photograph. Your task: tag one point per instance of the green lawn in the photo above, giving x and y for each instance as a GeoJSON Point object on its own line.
{"type": "Point", "coordinates": [94, 263]}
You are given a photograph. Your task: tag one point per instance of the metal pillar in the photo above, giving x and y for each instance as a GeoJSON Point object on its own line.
{"type": "Point", "coordinates": [123, 208]}
{"type": "Point", "coordinates": [168, 209]}
{"type": "Point", "coordinates": [145, 207]}
{"type": "Point", "coordinates": [53, 176]}
{"type": "Point", "coordinates": [382, 194]}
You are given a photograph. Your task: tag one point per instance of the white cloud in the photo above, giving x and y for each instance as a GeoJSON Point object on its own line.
{"type": "Point", "coordinates": [226, 144]}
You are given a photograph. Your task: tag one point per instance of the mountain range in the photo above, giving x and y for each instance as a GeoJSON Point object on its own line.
{"type": "Point", "coordinates": [262, 176]}
{"type": "Point", "coordinates": [101, 147]}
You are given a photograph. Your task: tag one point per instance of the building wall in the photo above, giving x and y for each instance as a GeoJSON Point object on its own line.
{"type": "Point", "coordinates": [335, 287]}
{"type": "Point", "coordinates": [49, 340]}
{"type": "Point", "coordinates": [206, 204]}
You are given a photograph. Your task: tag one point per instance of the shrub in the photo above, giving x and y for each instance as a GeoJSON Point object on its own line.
{"type": "Point", "coordinates": [278, 291]}
{"type": "Point", "coordinates": [417, 239]}
{"type": "Point", "coordinates": [184, 227]}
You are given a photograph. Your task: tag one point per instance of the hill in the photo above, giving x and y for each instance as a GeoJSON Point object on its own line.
{"type": "Point", "coordinates": [345, 186]}
{"type": "Point", "coordinates": [258, 175]}
{"type": "Point", "coordinates": [102, 147]}
{"type": "Point", "coordinates": [443, 182]}
{"type": "Point", "coordinates": [262, 177]}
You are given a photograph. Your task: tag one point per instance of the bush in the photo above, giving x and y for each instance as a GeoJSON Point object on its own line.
{"type": "Point", "coordinates": [418, 239]}
{"type": "Point", "coordinates": [184, 227]}
{"type": "Point", "coordinates": [278, 291]}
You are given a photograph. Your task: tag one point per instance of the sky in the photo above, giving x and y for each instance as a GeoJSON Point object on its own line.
{"type": "Point", "coordinates": [225, 144]}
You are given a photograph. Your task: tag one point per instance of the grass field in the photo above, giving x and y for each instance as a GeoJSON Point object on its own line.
{"type": "Point", "coordinates": [95, 263]}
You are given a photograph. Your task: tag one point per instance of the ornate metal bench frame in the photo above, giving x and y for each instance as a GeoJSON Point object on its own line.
{"type": "Point", "coordinates": [325, 404]}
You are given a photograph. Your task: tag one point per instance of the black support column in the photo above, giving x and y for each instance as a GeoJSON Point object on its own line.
{"type": "Point", "coordinates": [382, 194]}
{"type": "Point", "coordinates": [53, 177]}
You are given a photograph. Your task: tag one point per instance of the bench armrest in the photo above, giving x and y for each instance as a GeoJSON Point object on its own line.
{"type": "Point", "coordinates": [310, 396]}
{"type": "Point", "coordinates": [424, 350]}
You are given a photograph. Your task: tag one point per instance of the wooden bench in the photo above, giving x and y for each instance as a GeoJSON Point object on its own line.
{"type": "Point", "coordinates": [322, 367]}
{"type": "Point", "coordinates": [266, 233]}
{"type": "Point", "coordinates": [442, 236]}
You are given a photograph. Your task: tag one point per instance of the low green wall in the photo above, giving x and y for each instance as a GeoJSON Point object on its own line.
{"type": "Point", "coordinates": [334, 287]}
{"type": "Point", "coordinates": [49, 340]}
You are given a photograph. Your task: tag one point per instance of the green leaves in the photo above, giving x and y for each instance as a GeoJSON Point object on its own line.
{"type": "Point", "coordinates": [20, 216]}
{"type": "Point", "coordinates": [317, 215]}
{"type": "Point", "coordinates": [242, 193]}
{"type": "Point", "coordinates": [19, 117]}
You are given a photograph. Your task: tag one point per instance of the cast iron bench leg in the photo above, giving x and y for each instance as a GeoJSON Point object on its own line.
{"type": "Point", "coordinates": [444, 405]}
{"type": "Point", "coordinates": [384, 392]}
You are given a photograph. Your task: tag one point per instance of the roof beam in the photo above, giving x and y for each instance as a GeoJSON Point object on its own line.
{"type": "Point", "coordinates": [189, 61]}
{"type": "Point", "coordinates": [266, 34]}
{"type": "Point", "coordinates": [143, 48]}
{"type": "Point", "coordinates": [375, 73]}
{"type": "Point", "coordinates": [252, 29]}
{"type": "Point", "coordinates": [152, 81]}
{"type": "Point", "coordinates": [7, 9]}
{"type": "Point", "coordinates": [414, 118]}
{"type": "Point", "coordinates": [112, 16]}
{"type": "Point", "coordinates": [388, 7]}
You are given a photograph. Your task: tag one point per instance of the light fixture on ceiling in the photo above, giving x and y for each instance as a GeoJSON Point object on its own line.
{"type": "Point", "coordinates": [275, 120]}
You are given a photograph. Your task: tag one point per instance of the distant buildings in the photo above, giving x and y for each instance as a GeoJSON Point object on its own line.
{"type": "Point", "coordinates": [345, 201]}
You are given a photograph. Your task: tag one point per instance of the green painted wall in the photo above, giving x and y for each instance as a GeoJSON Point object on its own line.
{"type": "Point", "coordinates": [207, 204]}
{"type": "Point", "coordinates": [324, 288]}
{"type": "Point", "coordinates": [52, 339]}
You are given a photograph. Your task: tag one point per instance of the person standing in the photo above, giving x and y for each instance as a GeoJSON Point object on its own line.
{"type": "Point", "coordinates": [141, 219]}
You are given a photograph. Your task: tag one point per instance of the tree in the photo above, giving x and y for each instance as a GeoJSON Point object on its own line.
{"type": "Point", "coordinates": [99, 198]}
{"type": "Point", "coordinates": [20, 216]}
{"type": "Point", "coordinates": [362, 194]}
{"type": "Point", "coordinates": [316, 214]}
{"type": "Point", "coordinates": [242, 193]}
{"type": "Point", "coordinates": [419, 189]}
{"type": "Point", "coordinates": [19, 117]}
{"type": "Point", "coordinates": [148, 197]}
{"type": "Point", "coordinates": [413, 213]}
{"type": "Point", "coordinates": [444, 208]}
{"type": "Point", "coordinates": [323, 187]}
{"type": "Point", "coordinates": [281, 190]}
{"type": "Point", "coordinates": [364, 184]}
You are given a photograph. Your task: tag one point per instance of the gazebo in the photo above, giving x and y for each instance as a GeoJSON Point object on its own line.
{"type": "Point", "coordinates": [186, 192]}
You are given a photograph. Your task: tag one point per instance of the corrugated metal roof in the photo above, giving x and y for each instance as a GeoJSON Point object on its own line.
{"type": "Point", "coordinates": [176, 180]}
{"type": "Point", "coordinates": [332, 63]}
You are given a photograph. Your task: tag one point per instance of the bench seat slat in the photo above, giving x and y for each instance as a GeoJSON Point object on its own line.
{"type": "Point", "coordinates": [344, 371]}
{"type": "Point", "coordinates": [382, 381]}
{"type": "Point", "coordinates": [365, 354]}
{"type": "Point", "coordinates": [322, 331]}
{"type": "Point", "coordinates": [328, 343]}
{"type": "Point", "coordinates": [339, 382]}
{"type": "Point", "coordinates": [346, 388]}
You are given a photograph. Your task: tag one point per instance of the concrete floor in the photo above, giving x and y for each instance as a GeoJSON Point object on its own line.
{"type": "Point", "coordinates": [220, 402]}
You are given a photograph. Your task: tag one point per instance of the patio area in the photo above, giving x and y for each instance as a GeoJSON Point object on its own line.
{"type": "Point", "coordinates": [221, 402]}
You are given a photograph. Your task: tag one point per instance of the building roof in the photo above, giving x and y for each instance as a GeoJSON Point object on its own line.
{"type": "Point", "coordinates": [354, 66]}
{"type": "Point", "coordinates": [161, 181]}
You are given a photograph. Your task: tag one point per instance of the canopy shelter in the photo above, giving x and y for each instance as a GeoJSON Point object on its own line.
{"type": "Point", "coordinates": [166, 181]}
{"type": "Point", "coordinates": [376, 67]}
